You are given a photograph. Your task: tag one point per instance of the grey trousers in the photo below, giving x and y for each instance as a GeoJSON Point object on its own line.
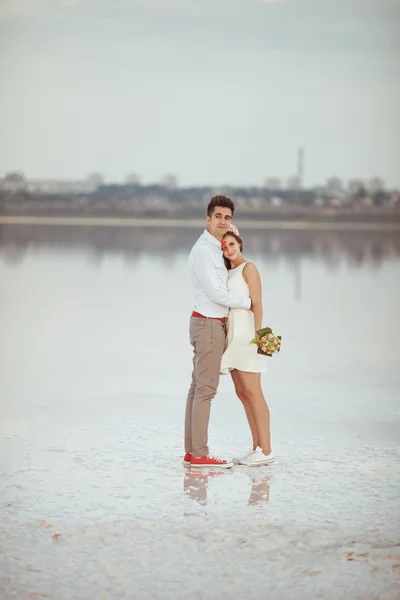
{"type": "Point", "coordinates": [207, 337]}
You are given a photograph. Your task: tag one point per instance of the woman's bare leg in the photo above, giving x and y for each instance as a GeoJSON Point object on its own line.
{"type": "Point", "coordinates": [250, 386]}
{"type": "Point", "coordinates": [247, 407]}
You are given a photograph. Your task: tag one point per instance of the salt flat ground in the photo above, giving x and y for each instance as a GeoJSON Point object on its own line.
{"type": "Point", "coordinates": [95, 364]}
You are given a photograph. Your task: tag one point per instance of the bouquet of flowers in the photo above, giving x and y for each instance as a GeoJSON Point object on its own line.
{"type": "Point", "coordinates": [268, 343]}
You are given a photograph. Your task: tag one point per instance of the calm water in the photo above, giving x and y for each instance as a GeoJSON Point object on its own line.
{"type": "Point", "coordinates": [94, 367]}
{"type": "Point", "coordinates": [103, 313]}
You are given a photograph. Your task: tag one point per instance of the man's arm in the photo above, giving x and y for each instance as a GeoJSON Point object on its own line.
{"type": "Point", "coordinates": [204, 267]}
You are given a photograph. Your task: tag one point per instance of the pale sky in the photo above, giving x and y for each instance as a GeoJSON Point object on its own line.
{"type": "Point", "coordinates": [214, 91]}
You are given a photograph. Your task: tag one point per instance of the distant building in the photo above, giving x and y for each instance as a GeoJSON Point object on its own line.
{"type": "Point", "coordinates": [96, 179]}
{"type": "Point", "coordinates": [334, 187]}
{"type": "Point", "coordinates": [394, 199]}
{"type": "Point", "coordinates": [170, 182]}
{"type": "Point", "coordinates": [374, 185]}
{"type": "Point", "coordinates": [276, 201]}
{"type": "Point", "coordinates": [293, 182]}
{"type": "Point", "coordinates": [132, 179]}
{"type": "Point", "coordinates": [241, 202]}
{"type": "Point", "coordinates": [273, 183]}
{"type": "Point", "coordinates": [355, 186]}
{"type": "Point", "coordinates": [13, 182]}
{"type": "Point", "coordinates": [319, 201]}
{"type": "Point", "coordinates": [256, 202]}
{"type": "Point", "coordinates": [57, 186]}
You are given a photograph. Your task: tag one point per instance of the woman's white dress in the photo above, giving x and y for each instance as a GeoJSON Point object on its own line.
{"type": "Point", "coordinates": [239, 354]}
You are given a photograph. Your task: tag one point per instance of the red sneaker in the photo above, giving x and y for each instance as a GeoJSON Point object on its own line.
{"type": "Point", "coordinates": [187, 458]}
{"type": "Point", "coordinates": [210, 461]}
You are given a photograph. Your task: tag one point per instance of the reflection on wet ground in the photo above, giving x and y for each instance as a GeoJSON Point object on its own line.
{"type": "Point", "coordinates": [356, 247]}
{"type": "Point", "coordinates": [196, 483]}
{"type": "Point", "coordinates": [103, 508]}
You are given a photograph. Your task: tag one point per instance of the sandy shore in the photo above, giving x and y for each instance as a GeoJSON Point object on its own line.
{"type": "Point", "coordinates": [195, 223]}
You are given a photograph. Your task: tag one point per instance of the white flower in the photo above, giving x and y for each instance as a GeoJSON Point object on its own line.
{"type": "Point", "coordinates": [233, 228]}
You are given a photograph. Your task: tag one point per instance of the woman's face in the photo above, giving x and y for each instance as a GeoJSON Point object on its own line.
{"type": "Point", "coordinates": [231, 248]}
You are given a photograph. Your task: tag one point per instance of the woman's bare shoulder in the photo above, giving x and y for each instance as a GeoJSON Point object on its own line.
{"type": "Point", "coordinates": [250, 272]}
{"type": "Point", "coordinates": [250, 267]}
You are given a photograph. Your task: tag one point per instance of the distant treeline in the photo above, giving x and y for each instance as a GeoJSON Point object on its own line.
{"type": "Point", "coordinates": [187, 203]}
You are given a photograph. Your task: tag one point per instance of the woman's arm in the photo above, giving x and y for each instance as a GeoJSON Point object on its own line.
{"type": "Point", "coordinates": [253, 280]}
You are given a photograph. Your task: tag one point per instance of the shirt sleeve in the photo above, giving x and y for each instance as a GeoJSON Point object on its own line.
{"type": "Point", "coordinates": [204, 268]}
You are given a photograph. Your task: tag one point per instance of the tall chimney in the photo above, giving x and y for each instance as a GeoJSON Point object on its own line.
{"type": "Point", "coordinates": [300, 167]}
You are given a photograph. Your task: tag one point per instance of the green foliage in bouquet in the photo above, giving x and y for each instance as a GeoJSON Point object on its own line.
{"type": "Point", "coordinates": [268, 344]}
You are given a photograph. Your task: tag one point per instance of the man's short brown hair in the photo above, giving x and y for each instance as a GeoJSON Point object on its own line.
{"type": "Point", "coordinates": [220, 200]}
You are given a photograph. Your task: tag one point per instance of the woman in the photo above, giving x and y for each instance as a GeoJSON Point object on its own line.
{"type": "Point", "coordinates": [240, 358]}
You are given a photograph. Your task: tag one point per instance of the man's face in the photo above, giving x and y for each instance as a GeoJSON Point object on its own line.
{"type": "Point", "coordinates": [219, 221]}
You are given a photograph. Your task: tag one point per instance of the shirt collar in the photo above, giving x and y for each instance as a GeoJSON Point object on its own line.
{"type": "Point", "coordinates": [211, 239]}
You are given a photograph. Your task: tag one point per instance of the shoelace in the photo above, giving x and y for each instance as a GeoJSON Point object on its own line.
{"type": "Point", "coordinates": [216, 459]}
{"type": "Point", "coordinates": [247, 454]}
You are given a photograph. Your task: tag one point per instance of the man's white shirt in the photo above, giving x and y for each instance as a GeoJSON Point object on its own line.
{"type": "Point", "coordinates": [210, 279]}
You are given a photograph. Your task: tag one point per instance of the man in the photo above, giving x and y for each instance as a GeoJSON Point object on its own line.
{"type": "Point", "coordinates": [212, 301]}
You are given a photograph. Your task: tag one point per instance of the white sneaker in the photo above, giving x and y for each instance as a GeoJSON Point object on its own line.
{"type": "Point", "coordinates": [245, 456]}
{"type": "Point", "coordinates": [257, 458]}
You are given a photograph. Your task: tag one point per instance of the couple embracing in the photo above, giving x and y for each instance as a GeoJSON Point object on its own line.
{"type": "Point", "coordinates": [227, 313]}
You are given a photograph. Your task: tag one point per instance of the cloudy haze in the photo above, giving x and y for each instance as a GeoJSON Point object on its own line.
{"type": "Point", "coordinates": [214, 91]}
